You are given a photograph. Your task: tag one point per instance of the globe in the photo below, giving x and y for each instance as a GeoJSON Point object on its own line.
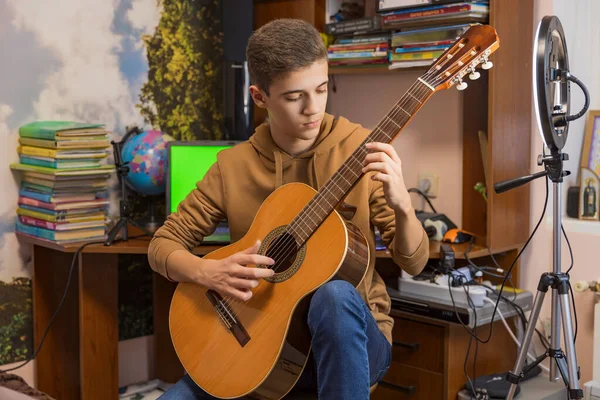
{"type": "Point", "coordinates": [146, 155]}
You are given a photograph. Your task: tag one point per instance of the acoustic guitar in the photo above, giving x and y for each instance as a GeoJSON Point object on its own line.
{"type": "Point", "coordinates": [260, 347]}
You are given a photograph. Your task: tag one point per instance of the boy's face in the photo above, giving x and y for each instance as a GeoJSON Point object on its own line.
{"type": "Point", "coordinates": [296, 103]}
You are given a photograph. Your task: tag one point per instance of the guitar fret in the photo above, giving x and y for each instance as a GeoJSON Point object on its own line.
{"type": "Point", "coordinates": [410, 94]}
{"type": "Point", "coordinates": [394, 122]}
{"type": "Point", "coordinates": [407, 113]}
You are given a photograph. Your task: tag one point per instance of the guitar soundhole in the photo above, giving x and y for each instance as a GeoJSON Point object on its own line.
{"type": "Point", "coordinates": [283, 251]}
{"type": "Point", "coordinates": [282, 247]}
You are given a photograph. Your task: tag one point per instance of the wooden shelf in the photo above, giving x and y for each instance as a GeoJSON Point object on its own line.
{"type": "Point", "coordinates": [383, 69]}
{"type": "Point", "coordinates": [459, 251]}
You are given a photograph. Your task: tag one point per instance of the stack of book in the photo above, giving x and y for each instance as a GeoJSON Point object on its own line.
{"type": "Point", "coordinates": [361, 50]}
{"type": "Point", "coordinates": [64, 187]}
{"type": "Point", "coordinates": [358, 43]}
{"type": "Point", "coordinates": [420, 47]}
{"type": "Point", "coordinates": [438, 15]}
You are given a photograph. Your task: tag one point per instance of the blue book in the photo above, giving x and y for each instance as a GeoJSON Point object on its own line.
{"type": "Point", "coordinates": [78, 234]}
{"type": "Point", "coordinates": [417, 49]}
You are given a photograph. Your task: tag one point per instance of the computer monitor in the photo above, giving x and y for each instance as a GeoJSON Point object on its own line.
{"type": "Point", "coordinates": [187, 163]}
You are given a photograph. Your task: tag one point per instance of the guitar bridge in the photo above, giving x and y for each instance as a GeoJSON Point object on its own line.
{"type": "Point", "coordinates": [228, 317]}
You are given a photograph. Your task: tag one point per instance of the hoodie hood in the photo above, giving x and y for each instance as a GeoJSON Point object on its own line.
{"type": "Point", "coordinates": [331, 134]}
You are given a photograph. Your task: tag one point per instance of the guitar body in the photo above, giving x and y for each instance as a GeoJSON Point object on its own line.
{"type": "Point", "coordinates": [260, 347]}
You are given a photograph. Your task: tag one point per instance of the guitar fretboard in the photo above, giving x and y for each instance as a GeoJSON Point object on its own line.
{"type": "Point", "coordinates": [343, 180]}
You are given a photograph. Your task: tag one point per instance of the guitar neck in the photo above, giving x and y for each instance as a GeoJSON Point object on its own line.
{"type": "Point", "coordinates": [343, 180]}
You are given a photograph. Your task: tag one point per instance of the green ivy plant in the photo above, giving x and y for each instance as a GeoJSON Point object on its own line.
{"type": "Point", "coordinates": [182, 96]}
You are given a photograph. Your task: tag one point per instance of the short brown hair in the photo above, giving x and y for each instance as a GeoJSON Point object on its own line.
{"type": "Point", "coordinates": [280, 47]}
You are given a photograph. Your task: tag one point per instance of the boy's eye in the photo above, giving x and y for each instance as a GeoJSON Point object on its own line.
{"type": "Point", "coordinates": [322, 91]}
{"type": "Point", "coordinates": [293, 98]}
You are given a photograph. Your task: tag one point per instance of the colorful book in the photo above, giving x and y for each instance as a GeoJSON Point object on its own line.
{"type": "Point", "coordinates": [64, 213]}
{"type": "Point", "coordinates": [60, 226]}
{"type": "Point", "coordinates": [62, 206]}
{"type": "Point", "coordinates": [61, 164]}
{"type": "Point", "coordinates": [61, 154]}
{"type": "Point", "coordinates": [59, 129]}
{"type": "Point", "coordinates": [102, 169]}
{"type": "Point", "coordinates": [84, 187]}
{"type": "Point", "coordinates": [54, 198]}
{"type": "Point", "coordinates": [85, 216]}
{"type": "Point", "coordinates": [99, 143]}
{"type": "Point", "coordinates": [81, 234]}
{"type": "Point", "coordinates": [65, 180]}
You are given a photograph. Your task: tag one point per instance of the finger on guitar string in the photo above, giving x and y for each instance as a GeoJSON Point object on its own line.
{"type": "Point", "coordinates": [243, 283]}
{"type": "Point", "coordinates": [386, 148]}
{"type": "Point", "coordinates": [251, 273]}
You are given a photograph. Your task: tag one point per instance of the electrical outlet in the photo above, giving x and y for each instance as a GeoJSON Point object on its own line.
{"type": "Point", "coordinates": [429, 181]}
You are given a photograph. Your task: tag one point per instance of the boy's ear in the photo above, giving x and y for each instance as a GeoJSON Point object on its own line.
{"type": "Point", "coordinates": [259, 97]}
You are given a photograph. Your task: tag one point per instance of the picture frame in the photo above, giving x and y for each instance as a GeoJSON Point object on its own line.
{"type": "Point", "coordinates": [590, 148]}
{"type": "Point", "coordinates": [589, 195]}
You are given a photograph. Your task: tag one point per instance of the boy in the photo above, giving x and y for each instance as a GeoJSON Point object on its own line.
{"type": "Point", "coordinates": [350, 327]}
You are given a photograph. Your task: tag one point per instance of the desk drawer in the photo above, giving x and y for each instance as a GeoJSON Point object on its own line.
{"type": "Point", "coordinates": [404, 382]}
{"type": "Point", "coordinates": [418, 344]}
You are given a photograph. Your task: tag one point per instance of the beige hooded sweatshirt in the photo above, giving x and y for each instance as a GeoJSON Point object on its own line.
{"type": "Point", "coordinates": [242, 178]}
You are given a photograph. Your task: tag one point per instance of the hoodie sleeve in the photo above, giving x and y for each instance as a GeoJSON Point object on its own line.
{"type": "Point", "coordinates": [383, 217]}
{"type": "Point", "coordinates": [197, 216]}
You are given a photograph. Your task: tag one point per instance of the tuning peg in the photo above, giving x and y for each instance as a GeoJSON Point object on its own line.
{"type": "Point", "coordinates": [474, 75]}
{"type": "Point", "coordinates": [487, 64]}
{"type": "Point", "coordinates": [461, 85]}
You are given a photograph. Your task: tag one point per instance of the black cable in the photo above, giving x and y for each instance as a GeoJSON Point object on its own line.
{"type": "Point", "coordinates": [562, 228]}
{"type": "Point", "coordinates": [420, 193]}
{"type": "Point", "coordinates": [467, 329]}
{"type": "Point", "coordinates": [62, 300]}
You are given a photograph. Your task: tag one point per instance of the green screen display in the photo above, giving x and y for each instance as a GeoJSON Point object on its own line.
{"type": "Point", "coordinates": [187, 165]}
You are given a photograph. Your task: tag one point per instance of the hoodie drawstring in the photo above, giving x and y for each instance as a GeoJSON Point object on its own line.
{"type": "Point", "coordinates": [314, 168]}
{"type": "Point", "coordinates": [278, 168]}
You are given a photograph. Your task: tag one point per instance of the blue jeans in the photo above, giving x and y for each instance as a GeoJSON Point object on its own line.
{"type": "Point", "coordinates": [349, 352]}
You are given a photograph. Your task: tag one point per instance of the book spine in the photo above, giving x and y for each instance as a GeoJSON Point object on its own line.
{"type": "Point", "coordinates": [36, 196]}
{"type": "Point", "coordinates": [35, 203]}
{"type": "Point", "coordinates": [335, 56]}
{"type": "Point", "coordinates": [37, 162]}
{"type": "Point", "coordinates": [37, 133]}
{"type": "Point", "coordinates": [354, 25]}
{"type": "Point", "coordinates": [36, 151]}
{"type": "Point", "coordinates": [417, 49]}
{"type": "Point", "coordinates": [363, 40]}
{"type": "Point", "coordinates": [38, 215]}
{"type": "Point", "coordinates": [37, 222]}
{"type": "Point", "coordinates": [425, 14]}
{"type": "Point", "coordinates": [35, 231]}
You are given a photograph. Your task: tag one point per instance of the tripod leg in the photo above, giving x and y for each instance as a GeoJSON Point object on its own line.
{"type": "Point", "coordinates": [555, 334]}
{"type": "Point", "coordinates": [575, 391]}
{"type": "Point", "coordinates": [515, 375]}
{"type": "Point", "coordinates": [120, 225]}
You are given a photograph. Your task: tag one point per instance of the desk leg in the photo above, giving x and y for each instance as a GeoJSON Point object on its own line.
{"type": "Point", "coordinates": [168, 367]}
{"type": "Point", "coordinates": [57, 363]}
{"type": "Point", "coordinates": [99, 326]}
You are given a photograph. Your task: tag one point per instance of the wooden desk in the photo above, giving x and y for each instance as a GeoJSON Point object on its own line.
{"type": "Point", "coordinates": [79, 358]}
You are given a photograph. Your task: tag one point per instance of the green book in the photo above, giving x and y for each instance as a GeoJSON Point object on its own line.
{"type": "Point", "coordinates": [58, 129]}
{"type": "Point", "coordinates": [102, 169]}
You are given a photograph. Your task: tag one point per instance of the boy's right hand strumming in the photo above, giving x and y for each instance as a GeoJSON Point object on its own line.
{"type": "Point", "coordinates": [230, 277]}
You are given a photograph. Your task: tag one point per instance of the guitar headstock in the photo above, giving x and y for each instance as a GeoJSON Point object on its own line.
{"type": "Point", "coordinates": [471, 49]}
